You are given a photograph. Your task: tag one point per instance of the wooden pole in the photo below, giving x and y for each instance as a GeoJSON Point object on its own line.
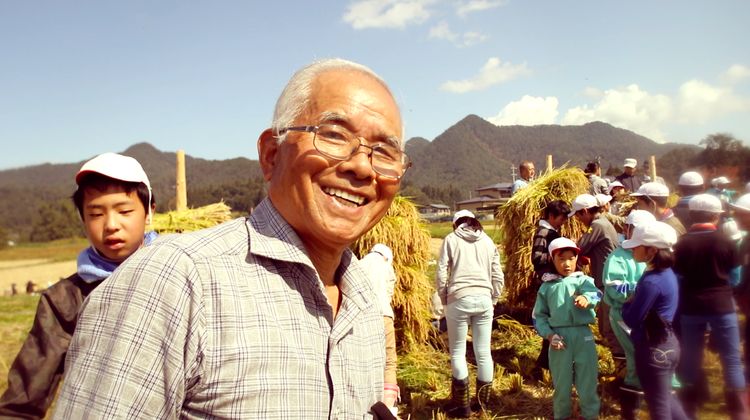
{"type": "Point", "coordinates": [652, 168]}
{"type": "Point", "coordinates": [549, 163]}
{"type": "Point", "coordinates": [181, 198]}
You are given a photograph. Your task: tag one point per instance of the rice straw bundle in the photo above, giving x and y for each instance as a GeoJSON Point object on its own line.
{"type": "Point", "coordinates": [191, 219]}
{"type": "Point", "coordinates": [518, 220]}
{"type": "Point", "coordinates": [403, 231]}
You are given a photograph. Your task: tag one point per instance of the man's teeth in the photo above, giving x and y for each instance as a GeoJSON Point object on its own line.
{"type": "Point", "coordinates": [359, 200]}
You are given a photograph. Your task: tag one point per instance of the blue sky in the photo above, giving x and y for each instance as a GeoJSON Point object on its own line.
{"type": "Point", "coordinates": [78, 78]}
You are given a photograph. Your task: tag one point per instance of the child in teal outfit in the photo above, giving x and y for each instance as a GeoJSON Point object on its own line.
{"type": "Point", "coordinates": [563, 311]}
{"type": "Point", "coordinates": [621, 274]}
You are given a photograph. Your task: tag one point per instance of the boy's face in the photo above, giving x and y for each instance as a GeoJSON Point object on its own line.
{"type": "Point", "coordinates": [585, 217]}
{"type": "Point", "coordinates": [565, 261]}
{"type": "Point", "coordinates": [743, 219]}
{"type": "Point", "coordinates": [557, 221]}
{"type": "Point", "coordinates": [114, 220]}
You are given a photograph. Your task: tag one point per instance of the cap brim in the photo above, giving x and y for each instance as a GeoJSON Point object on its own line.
{"type": "Point", "coordinates": [630, 243]}
{"type": "Point", "coordinates": [741, 208]}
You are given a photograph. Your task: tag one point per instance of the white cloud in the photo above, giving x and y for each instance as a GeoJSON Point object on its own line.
{"type": "Point", "coordinates": [365, 14]}
{"type": "Point", "coordinates": [735, 74]}
{"type": "Point", "coordinates": [630, 107]}
{"type": "Point", "coordinates": [700, 102]}
{"type": "Point", "coordinates": [467, 39]}
{"type": "Point", "coordinates": [442, 31]}
{"type": "Point", "coordinates": [471, 6]}
{"type": "Point", "coordinates": [529, 110]}
{"type": "Point", "coordinates": [492, 73]}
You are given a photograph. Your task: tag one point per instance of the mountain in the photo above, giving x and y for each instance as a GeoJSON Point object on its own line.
{"type": "Point", "coordinates": [475, 152]}
{"type": "Point", "coordinates": [471, 153]}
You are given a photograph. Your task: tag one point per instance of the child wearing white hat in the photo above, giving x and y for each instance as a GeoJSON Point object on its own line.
{"type": "Point", "coordinates": [689, 184]}
{"type": "Point", "coordinates": [706, 261]}
{"type": "Point", "coordinates": [653, 196]}
{"type": "Point", "coordinates": [650, 314]}
{"type": "Point", "coordinates": [378, 265]}
{"type": "Point", "coordinates": [741, 209]}
{"type": "Point", "coordinates": [115, 203]}
{"type": "Point", "coordinates": [620, 277]}
{"type": "Point", "coordinates": [563, 311]}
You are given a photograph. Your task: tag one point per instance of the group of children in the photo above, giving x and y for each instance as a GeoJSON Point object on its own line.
{"type": "Point", "coordinates": [663, 288]}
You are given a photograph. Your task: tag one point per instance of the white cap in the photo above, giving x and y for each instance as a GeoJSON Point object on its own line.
{"type": "Point", "coordinates": [742, 203]}
{"type": "Point", "coordinates": [383, 250]}
{"type": "Point", "coordinates": [656, 234]}
{"type": "Point", "coordinates": [651, 189]}
{"type": "Point", "coordinates": [705, 202]}
{"type": "Point", "coordinates": [463, 213]}
{"type": "Point", "coordinates": [583, 201]}
{"type": "Point", "coordinates": [690, 179]}
{"type": "Point", "coordinates": [731, 230]}
{"type": "Point", "coordinates": [613, 185]}
{"type": "Point", "coordinates": [639, 217]}
{"type": "Point", "coordinates": [722, 180]}
{"type": "Point", "coordinates": [603, 199]}
{"type": "Point", "coordinates": [630, 163]}
{"type": "Point", "coordinates": [562, 243]}
{"type": "Point", "coordinates": [115, 166]}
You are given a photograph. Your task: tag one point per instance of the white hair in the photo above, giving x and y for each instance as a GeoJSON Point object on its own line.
{"type": "Point", "coordinates": [296, 94]}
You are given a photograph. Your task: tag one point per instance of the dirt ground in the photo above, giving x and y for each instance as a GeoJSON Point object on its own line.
{"type": "Point", "coordinates": [42, 272]}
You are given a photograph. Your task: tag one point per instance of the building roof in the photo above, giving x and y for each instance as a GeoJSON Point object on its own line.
{"type": "Point", "coordinates": [480, 199]}
{"type": "Point", "coordinates": [498, 186]}
{"type": "Point", "coordinates": [439, 206]}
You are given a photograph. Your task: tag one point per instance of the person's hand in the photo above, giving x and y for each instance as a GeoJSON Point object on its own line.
{"type": "Point", "coordinates": [556, 342]}
{"type": "Point", "coordinates": [581, 302]}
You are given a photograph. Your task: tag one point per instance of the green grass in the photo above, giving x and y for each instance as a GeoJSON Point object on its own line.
{"type": "Point", "coordinates": [59, 250]}
{"type": "Point", "coordinates": [16, 317]}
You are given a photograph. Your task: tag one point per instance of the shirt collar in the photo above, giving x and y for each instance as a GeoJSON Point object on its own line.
{"type": "Point", "coordinates": [545, 224]}
{"type": "Point", "coordinates": [272, 237]}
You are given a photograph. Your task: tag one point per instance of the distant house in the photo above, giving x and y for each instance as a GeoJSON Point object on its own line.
{"type": "Point", "coordinates": [490, 197]}
{"type": "Point", "coordinates": [434, 210]}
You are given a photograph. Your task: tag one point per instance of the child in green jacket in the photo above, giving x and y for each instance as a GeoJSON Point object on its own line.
{"type": "Point", "coordinates": [563, 311]}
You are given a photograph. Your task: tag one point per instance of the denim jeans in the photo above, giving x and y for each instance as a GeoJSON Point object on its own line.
{"type": "Point", "coordinates": [655, 367]}
{"type": "Point", "coordinates": [477, 311]}
{"type": "Point", "coordinates": [724, 334]}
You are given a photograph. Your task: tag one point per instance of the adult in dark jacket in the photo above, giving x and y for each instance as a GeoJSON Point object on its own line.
{"type": "Point", "coordinates": [114, 201]}
{"type": "Point", "coordinates": [707, 266]}
{"type": "Point", "coordinates": [628, 178]}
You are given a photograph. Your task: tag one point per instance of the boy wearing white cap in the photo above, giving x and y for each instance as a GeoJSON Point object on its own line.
{"type": "Point", "coordinates": [650, 314]}
{"type": "Point", "coordinates": [115, 203]}
{"type": "Point", "coordinates": [689, 184]}
{"type": "Point", "coordinates": [652, 197]}
{"type": "Point", "coordinates": [620, 276]}
{"type": "Point", "coordinates": [563, 311]}
{"type": "Point", "coordinates": [596, 244]}
{"type": "Point", "coordinates": [628, 178]}
{"type": "Point", "coordinates": [707, 263]}
{"type": "Point", "coordinates": [378, 265]}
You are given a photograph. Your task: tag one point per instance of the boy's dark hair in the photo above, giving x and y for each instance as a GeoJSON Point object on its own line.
{"type": "Point", "coordinates": [591, 167]}
{"type": "Point", "coordinates": [691, 189]}
{"type": "Point", "coordinates": [556, 208]}
{"type": "Point", "coordinates": [659, 201]}
{"type": "Point", "coordinates": [697, 216]}
{"type": "Point", "coordinates": [471, 222]}
{"type": "Point", "coordinates": [663, 259]}
{"type": "Point", "coordinates": [101, 182]}
{"type": "Point", "coordinates": [593, 210]}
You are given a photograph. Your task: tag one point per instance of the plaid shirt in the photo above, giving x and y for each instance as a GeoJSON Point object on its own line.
{"type": "Point", "coordinates": [228, 322]}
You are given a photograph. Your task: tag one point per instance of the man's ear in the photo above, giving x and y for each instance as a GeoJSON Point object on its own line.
{"type": "Point", "coordinates": [268, 149]}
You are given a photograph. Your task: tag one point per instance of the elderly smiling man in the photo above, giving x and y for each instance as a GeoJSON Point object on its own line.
{"type": "Point", "coordinates": [266, 316]}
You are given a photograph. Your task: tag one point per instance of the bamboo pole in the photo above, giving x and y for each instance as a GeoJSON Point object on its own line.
{"type": "Point", "coordinates": [549, 163]}
{"type": "Point", "coordinates": [652, 168]}
{"type": "Point", "coordinates": [181, 198]}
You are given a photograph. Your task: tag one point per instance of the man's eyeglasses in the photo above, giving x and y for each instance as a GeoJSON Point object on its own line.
{"type": "Point", "coordinates": [337, 142]}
